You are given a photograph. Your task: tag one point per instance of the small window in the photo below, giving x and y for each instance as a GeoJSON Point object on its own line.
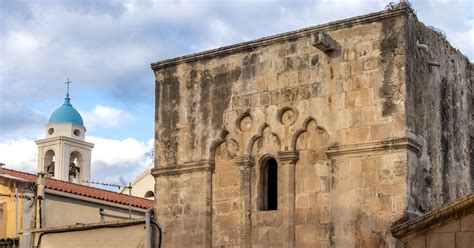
{"type": "Point", "coordinates": [77, 132]}
{"type": "Point", "coordinates": [269, 185]}
{"type": "Point", "coordinates": [149, 194]}
{"type": "Point", "coordinates": [50, 131]}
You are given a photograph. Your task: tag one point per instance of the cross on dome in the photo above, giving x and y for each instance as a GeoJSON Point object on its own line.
{"type": "Point", "coordinates": [66, 113]}
{"type": "Point", "coordinates": [67, 83]}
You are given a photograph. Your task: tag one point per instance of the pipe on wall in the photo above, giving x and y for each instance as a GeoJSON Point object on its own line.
{"type": "Point", "coordinates": [16, 212]}
{"type": "Point", "coordinates": [39, 199]}
{"type": "Point", "coordinates": [148, 228]}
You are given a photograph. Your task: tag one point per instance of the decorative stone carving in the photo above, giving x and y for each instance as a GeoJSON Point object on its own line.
{"type": "Point", "coordinates": [287, 116]}
{"type": "Point", "coordinates": [305, 92]}
{"type": "Point", "coordinates": [246, 123]}
{"type": "Point", "coordinates": [232, 148]}
{"type": "Point", "coordinates": [288, 95]}
{"type": "Point", "coordinates": [269, 140]}
{"type": "Point", "coordinates": [277, 96]}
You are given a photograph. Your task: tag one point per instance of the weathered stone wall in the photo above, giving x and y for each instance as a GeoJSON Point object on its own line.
{"type": "Point", "coordinates": [438, 113]}
{"type": "Point", "coordinates": [472, 127]}
{"type": "Point", "coordinates": [184, 210]}
{"type": "Point", "coordinates": [335, 122]}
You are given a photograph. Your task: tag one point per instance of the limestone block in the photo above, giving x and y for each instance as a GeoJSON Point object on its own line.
{"type": "Point", "coordinates": [464, 239]}
{"type": "Point", "coordinates": [417, 243]}
{"type": "Point", "coordinates": [467, 223]}
{"type": "Point", "coordinates": [302, 201]}
{"type": "Point", "coordinates": [453, 226]}
{"type": "Point", "coordinates": [440, 240]}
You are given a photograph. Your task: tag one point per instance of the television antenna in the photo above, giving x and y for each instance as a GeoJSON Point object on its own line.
{"type": "Point", "coordinates": [123, 185]}
{"type": "Point", "coordinates": [123, 182]}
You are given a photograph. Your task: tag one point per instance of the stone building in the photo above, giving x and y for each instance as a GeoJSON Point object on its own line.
{"type": "Point", "coordinates": [320, 137]}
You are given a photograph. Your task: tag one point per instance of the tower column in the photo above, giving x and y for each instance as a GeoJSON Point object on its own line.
{"type": "Point", "coordinates": [245, 164]}
{"type": "Point", "coordinates": [288, 161]}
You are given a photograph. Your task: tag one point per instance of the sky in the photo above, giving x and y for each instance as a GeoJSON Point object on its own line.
{"type": "Point", "coordinates": [105, 48]}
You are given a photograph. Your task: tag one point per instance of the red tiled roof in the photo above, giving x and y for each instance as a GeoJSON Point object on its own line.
{"type": "Point", "coordinates": [82, 190]}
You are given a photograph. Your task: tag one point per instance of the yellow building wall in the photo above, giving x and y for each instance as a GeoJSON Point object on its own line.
{"type": "Point", "coordinates": [61, 213]}
{"type": "Point", "coordinates": [7, 212]}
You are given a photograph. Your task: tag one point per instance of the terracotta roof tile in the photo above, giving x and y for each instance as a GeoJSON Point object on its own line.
{"type": "Point", "coordinates": [82, 190]}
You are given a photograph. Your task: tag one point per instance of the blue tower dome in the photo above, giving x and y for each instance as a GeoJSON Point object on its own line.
{"type": "Point", "coordinates": [66, 114]}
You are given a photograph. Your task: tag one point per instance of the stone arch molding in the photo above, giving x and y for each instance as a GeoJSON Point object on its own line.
{"type": "Point", "coordinates": [233, 146]}
{"type": "Point", "coordinates": [266, 139]}
{"type": "Point", "coordinates": [275, 132]}
{"type": "Point", "coordinates": [304, 129]}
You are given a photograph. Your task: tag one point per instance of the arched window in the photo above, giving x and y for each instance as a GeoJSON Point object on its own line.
{"type": "Point", "coordinates": [269, 184]}
{"type": "Point", "coordinates": [75, 167]}
{"type": "Point", "coordinates": [149, 194]}
{"type": "Point", "coordinates": [49, 161]}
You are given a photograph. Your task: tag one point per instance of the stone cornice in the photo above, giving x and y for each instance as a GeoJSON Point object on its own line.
{"type": "Point", "coordinates": [245, 161]}
{"type": "Point", "coordinates": [288, 156]}
{"type": "Point", "coordinates": [382, 145]}
{"type": "Point", "coordinates": [438, 217]}
{"type": "Point", "coordinates": [65, 139]}
{"type": "Point", "coordinates": [195, 166]}
{"type": "Point", "coordinates": [249, 45]}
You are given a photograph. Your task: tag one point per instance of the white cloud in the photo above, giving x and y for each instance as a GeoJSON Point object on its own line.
{"type": "Point", "coordinates": [112, 159]}
{"type": "Point", "coordinates": [119, 152]}
{"type": "Point", "coordinates": [103, 116]}
{"type": "Point", "coordinates": [20, 154]}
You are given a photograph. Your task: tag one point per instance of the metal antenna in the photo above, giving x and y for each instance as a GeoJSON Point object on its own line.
{"type": "Point", "coordinates": [67, 83]}
{"type": "Point", "coordinates": [124, 185]}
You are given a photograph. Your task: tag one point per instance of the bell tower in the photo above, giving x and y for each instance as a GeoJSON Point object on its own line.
{"type": "Point", "coordinates": [64, 154]}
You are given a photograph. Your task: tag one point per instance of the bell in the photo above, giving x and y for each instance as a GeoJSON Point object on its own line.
{"type": "Point", "coordinates": [50, 169]}
{"type": "Point", "coordinates": [73, 170]}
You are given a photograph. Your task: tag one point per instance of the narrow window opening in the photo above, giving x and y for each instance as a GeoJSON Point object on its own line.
{"type": "Point", "coordinates": [269, 185]}
{"type": "Point", "coordinates": [49, 163]}
{"type": "Point", "coordinates": [272, 192]}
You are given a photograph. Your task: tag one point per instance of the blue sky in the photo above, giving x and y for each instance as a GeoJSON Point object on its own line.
{"type": "Point", "coordinates": [106, 47]}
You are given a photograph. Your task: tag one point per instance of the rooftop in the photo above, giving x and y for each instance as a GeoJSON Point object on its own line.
{"type": "Point", "coordinates": [82, 190]}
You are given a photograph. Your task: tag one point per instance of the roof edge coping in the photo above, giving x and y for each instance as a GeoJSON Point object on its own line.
{"type": "Point", "coordinates": [413, 228]}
